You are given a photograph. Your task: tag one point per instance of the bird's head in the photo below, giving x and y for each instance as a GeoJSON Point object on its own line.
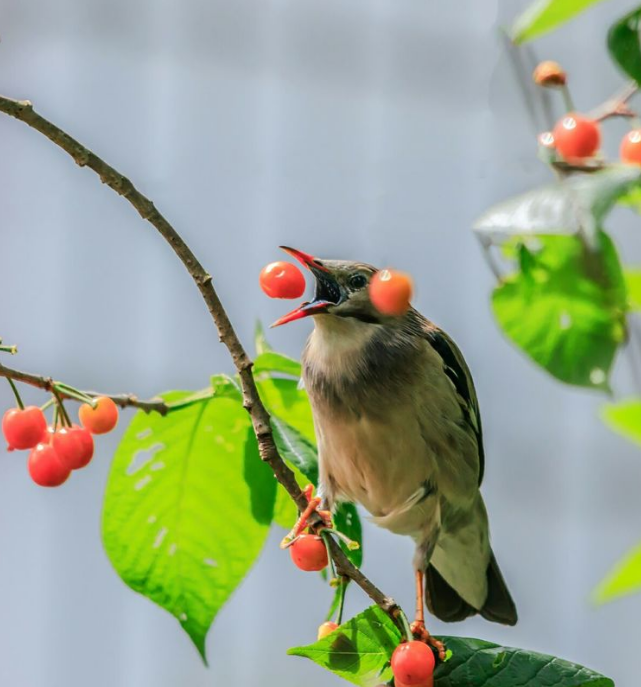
{"type": "Point", "coordinates": [341, 290]}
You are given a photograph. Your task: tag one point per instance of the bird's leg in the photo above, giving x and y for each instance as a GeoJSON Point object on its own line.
{"type": "Point", "coordinates": [313, 503]}
{"type": "Point", "coordinates": [418, 626]}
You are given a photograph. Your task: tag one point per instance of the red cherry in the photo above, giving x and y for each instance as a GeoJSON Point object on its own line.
{"type": "Point", "coordinates": [309, 553]}
{"type": "Point", "coordinates": [390, 292]}
{"type": "Point", "coordinates": [282, 280]}
{"type": "Point", "coordinates": [413, 664]}
{"type": "Point", "coordinates": [101, 419]}
{"type": "Point", "coordinates": [326, 629]}
{"type": "Point", "coordinates": [45, 467]}
{"type": "Point", "coordinates": [74, 446]}
{"type": "Point", "coordinates": [630, 150]}
{"type": "Point", "coordinates": [24, 428]}
{"type": "Point", "coordinates": [576, 137]}
{"type": "Point", "coordinates": [428, 683]}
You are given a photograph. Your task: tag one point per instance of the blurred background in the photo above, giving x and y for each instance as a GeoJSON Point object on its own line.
{"type": "Point", "coordinates": [371, 129]}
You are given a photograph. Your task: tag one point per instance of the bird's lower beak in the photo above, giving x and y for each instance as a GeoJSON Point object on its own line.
{"type": "Point", "coordinates": [327, 292]}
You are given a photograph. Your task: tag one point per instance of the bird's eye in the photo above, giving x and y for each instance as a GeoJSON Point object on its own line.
{"type": "Point", "coordinates": [358, 281]}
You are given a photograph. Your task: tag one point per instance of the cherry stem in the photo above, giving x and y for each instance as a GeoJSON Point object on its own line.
{"type": "Point", "coordinates": [67, 390]}
{"type": "Point", "coordinates": [405, 625]}
{"type": "Point", "coordinates": [48, 404]}
{"type": "Point", "coordinates": [15, 393]}
{"type": "Point", "coordinates": [63, 411]}
{"type": "Point", "coordinates": [9, 349]}
{"type": "Point", "coordinates": [324, 534]}
{"type": "Point", "coordinates": [341, 599]}
{"type": "Point", "coordinates": [56, 416]}
{"type": "Point", "coordinates": [350, 543]}
{"type": "Point", "coordinates": [567, 98]}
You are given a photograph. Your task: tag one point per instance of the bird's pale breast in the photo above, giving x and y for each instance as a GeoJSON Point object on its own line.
{"type": "Point", "coordinates": [388, 431]}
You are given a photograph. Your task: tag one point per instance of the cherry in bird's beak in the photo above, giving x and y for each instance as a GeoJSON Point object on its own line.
{"type": "Point", "coordinates": [328, 292]}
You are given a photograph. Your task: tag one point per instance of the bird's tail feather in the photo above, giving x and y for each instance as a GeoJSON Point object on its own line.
{"type": "Point", "coordinates": [442, 600]}
{"type": "Point", "coordinates": [499, 606]}
{"type": "Point", "coordinates": [445, 603]}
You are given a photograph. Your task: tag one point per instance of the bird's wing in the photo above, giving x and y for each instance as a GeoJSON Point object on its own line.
{"type": "Point", "coordinates": [458, 373]}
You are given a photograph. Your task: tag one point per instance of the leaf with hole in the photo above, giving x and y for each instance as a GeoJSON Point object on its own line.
{"type": "Point", "coordinates": [181, 490]}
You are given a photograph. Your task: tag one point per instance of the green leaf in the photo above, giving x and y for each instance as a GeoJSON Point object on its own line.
{"type": "Point", "coordinates": [578, 203]}
{"type": "Point", "coordinates": [225, 386]}
{"type": "Point", "coordinates": [566, 308]}
{"type": "Point", "coordinates": [296, 449]}
{"type": "Point", "coordinates": [544, 15]}
{"type": "Point", "coordinates": [623, 579]}
{"type": "Point", "coordinates": [633, 282]}
{"type": "Point", "coordinates": [476, 663]}
{"type": "Point", "coordinates": [260, 340]}
{"type": "Point", "coordinates": [276, 362]}
{"type": "Point", "coordinates": [187, 508]}
{"type": "Point", "coordinates": [631, 198]}
{"type": "Point", "coordinates": [348, 521]}
{"type": "Point", "coordinates": [285, 510]}
{"type": "Point", "coordinates": [623, 44]}
{"type": "Point", "coordinates": [360, 651]}
{"type": "Point", "coordinates": [283, 398]}
{"type": "Point", "coordinates": [624, 418]}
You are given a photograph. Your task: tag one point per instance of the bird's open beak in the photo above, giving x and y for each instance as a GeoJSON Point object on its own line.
{"type": "Point", "coordinates": [327, 292]}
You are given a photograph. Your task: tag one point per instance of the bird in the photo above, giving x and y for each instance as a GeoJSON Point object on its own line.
{"type": "Point", "coordinates": [398, 431]}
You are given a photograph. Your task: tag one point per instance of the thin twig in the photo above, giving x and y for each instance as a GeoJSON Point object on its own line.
{"type": "Point", "coordinates": [617, 106]}
{"type": "Point", "coordinates": [23, 111]}
{"type": "Point", "coordinates": [47, 384]}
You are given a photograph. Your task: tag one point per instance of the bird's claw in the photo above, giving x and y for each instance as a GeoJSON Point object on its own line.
{"type": "Point", "coordinates": [420, 632]}
{"type": "Point", "coordinates": [313, 502]}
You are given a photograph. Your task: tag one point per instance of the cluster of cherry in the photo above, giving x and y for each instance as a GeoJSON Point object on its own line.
{"type": "Point", "coordinates": [62, 447]}
{"type": "Point", "coordinates": [576, 138]}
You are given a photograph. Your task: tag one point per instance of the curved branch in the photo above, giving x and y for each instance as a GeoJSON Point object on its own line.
{"type": "Point", "coordinates": [23, 111]}
{"type": "Point", "coordinates": [47, 384]}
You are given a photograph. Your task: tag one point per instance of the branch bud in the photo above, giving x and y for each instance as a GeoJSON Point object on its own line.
{"type": "Point", "coordinates": [549, 74]}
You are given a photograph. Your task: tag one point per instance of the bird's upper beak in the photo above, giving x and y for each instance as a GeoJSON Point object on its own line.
{"type": "Point", "coordinates": [327, 292]}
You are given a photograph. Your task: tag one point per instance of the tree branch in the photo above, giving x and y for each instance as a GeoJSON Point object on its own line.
{"type": "Point", "coordinates": [617, 105]}
{"type": "Point", "coordinates": [47, 384]}
{"type": "Point", "coordinates": [23, 111]}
